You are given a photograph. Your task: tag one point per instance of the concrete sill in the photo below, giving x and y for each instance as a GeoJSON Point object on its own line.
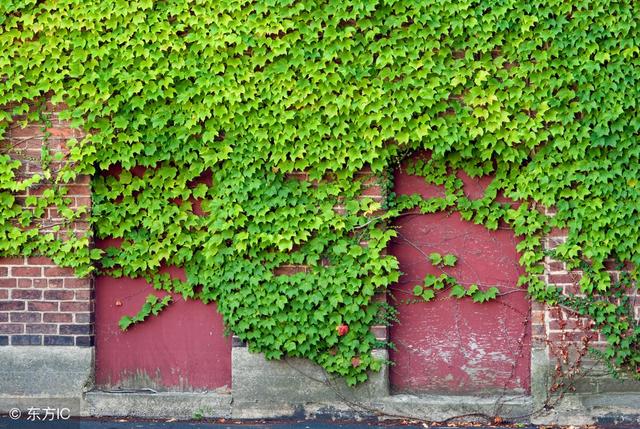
{"type": "Point", "coordinates": [178, 405]}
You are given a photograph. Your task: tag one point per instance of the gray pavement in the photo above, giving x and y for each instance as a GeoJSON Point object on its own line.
{"type": "Point", "coordinates": [8, 423]}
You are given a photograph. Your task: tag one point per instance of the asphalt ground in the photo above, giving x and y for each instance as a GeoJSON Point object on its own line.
{"type": "Point", "coordinates": [74, 423]}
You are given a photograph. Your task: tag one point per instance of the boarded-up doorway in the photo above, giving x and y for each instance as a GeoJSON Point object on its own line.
{"type": "Point", "coordinates": [182, 349]}
{"type": "Point", "coordinates": [449, 345]}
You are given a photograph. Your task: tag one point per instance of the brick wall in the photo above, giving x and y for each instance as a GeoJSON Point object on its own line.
{"type": "Point", "coordinates": [41, 303]}
{"type": "Point", "coordinates": [566, 336]}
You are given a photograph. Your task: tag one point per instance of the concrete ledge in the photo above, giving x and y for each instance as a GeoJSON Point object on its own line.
{"type": "Point", "coordinates": [263, 388]}
{"type": "Point", "coordinates": [178, 405]}
{"type": "Point", "coordinates": [442, 407]}
{"type": "Point", "coordinates": [40, 373]}
{"type": "Point", "coordinates": [73, 404]}
{"type": "Point", "coordinates": [584, 409]}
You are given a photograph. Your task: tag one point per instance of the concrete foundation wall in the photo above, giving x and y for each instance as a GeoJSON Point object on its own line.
{"type": "Point", "coordinates": [38, 376]}
{"type": "Point", "coordinates": [34, 376]}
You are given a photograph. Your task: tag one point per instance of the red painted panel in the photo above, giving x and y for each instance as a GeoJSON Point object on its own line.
{"type": "Point", "coordinates": [450, 345]}
{"type": "Point", "coordinates": [183, 348]}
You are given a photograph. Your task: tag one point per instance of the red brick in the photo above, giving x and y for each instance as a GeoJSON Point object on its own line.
{"type": "Point", "coordinates": [41, 328]}
{"type": "Point", "coordinates": [84, 179]}
{"type": "Point", "coordinates": [58, 272]}
{"type": "Point", "coordinates": [556, 266]}
{"type": "Point", "coordinates": [573, 288]}
{"type": "Point", "coordinates": [4, 294]}
{"type": "Point", "coordinates": [59, 295]}
{"type": "Point", "coordinates": [43, 306]}
{"type": "Point", "coordinates": [297, 175]}
{"type": "Point", "coordinates": [4, 317]}
{"type": "Point", "coordinates": [288, 270]}
{"type": "Point", "coordinates": [55, 283]}
{"type": "Point", "coordinates": [30, 131]}
{"type": "Point", "coordinates": [372, 191]}
{"type": "Point", "coordinates": [558, 233]}
{"type": "Point", "coordinates": [82, 202]}
{"type": "Point", "coordinates": [40, 283]}
{"type": "Point", "coordinates": [26, 271]}
{"type": "Point", "coordinates": [26, 294]}
{"type": "Point", "coordinates": [25, 283]}
{"type": "Point", "coordinates": [570, 324]}
{"type": "Point", "coordinates": [63, 132]}
{"type": "Point", "coordinates": [8, 282]}
{"type": "Point", "coordinates": [537, 317]}
{"type": "Point", "coordinates": [57, 317]}
{"type": "Point", "coordinates": [563, 278]}
{"type": "Point", "coordinates": [82, 295]}
{"type": "Point", "coordinates": [76, 283]}
{"type": "Point", "coordinates": [4, 271]}
{"type": "Point", "coordinates": [75, 306]}
{"type": "Point", "coordinates": [12, 261]}
{"type": "Point", "coordinates": [380, 332]}
{"type": "Point", "coordinates": [39, 260]}
{"type": "Point", "coordinates": [78, 190]}
{"type": "Point", "coordinates": [571, 336]}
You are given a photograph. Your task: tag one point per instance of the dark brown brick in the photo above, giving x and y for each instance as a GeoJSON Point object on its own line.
{"type": "Point", "coordinates": [75, 329]}
{"type": "Point", "coordinates": [84, 318]}
{"type": "Point", "coordinates": [84, 341]}
{"type": "Point", "coordinates": [25, 317]}
{"type": "Point", "coordinates": [26, 340]}
{"type": "Point", "coordinates": [12, 305]}
{"type": "Point", "coordinates": [26, 294]}
{"type": "Point", "coordinates": [83, 295]}
{"type": "Point", "coordinates": [14, 328]}
{"type": "Point", "coordinates": [41, 328]}
{"type": "Point", "coordinates": [57, 317]}
{"type": "Point", "coordinates": [59, 295]}
{"type": "Point", "coordinates": [288, 270]}
{"type": "Point", "coordinates": [75, 306]}
{"type": "Point", "coordinates": [58, 340]}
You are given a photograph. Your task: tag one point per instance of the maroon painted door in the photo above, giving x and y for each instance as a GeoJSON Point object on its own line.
{"type": "Point", "coordinates": [449, 345]}
{"type": "Point", "coordinates": [183, 348]}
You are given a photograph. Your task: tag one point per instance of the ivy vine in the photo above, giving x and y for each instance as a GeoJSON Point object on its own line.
{"type": "Point", "coordinates": [197, 113]}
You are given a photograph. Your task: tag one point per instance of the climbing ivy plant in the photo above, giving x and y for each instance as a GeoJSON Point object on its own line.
{"type": "Point", "coordinates": [196, 113]}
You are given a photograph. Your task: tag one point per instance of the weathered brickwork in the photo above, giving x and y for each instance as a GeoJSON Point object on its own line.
{"type": "Point", "coordinates": [566, 336]}
{"type": "Point", "coordinates": [41, 303]}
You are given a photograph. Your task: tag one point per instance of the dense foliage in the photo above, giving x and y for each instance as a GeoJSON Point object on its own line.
{"type": "Point", "coordinates": [197, 110]}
